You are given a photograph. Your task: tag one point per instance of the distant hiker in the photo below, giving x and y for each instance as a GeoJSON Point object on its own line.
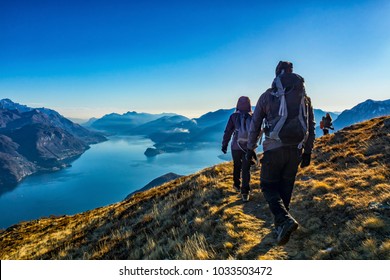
{"type": "Point", "coordinates": [285, 115]}
{"type": "Point", "coordinates": [238, 126]}
{"type": "Point", "coordinates": [326, 124]}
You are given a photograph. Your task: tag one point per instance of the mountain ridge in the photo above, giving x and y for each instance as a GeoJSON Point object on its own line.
{"type": "Point", "coordinates": [37, 139]}
{"type": "Point", "coordinates": [342, 202]}
{"type": "Point", "coordinates": [361, 112]}
{"type": "Point", "coordinates": [208, 128]}
{"type": "Point", "coordinates": [123, 123]}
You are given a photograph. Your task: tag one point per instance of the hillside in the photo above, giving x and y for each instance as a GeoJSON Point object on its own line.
{"type": "Point", "coordinates": [342, 202]}
{"type": "Point", "coordinates": [36, 140]}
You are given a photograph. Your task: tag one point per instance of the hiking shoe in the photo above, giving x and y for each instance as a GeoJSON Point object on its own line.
{"type": "Point", "coordinates": [245, 197]}
{"type": "Point", "coordinates": [285, 230]}
{"type": "Point", "coordinates": [237, 189]}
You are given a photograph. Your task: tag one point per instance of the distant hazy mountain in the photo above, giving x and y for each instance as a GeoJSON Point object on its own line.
{"type": "Point", "coordinates": [119, 124]}
{"type": "Point", "coordinates": [79, 121]}
{"type": "Point", "coordinates": [364, 111]}
{"type": "Point", "coordinates": [89, 122]}
{"type": "Point", "coordinates": [40, 139]}
{"type": "Point", "coordinates": [170, 132]}
{"type": "Point", "coordinates": [168, 127]}
{"type": "Point", "coordinates": [191, 134]}
{"type": "Point", "coordinates": [165, 124]}
{"type": "Point", "coordinates": [213, 118]}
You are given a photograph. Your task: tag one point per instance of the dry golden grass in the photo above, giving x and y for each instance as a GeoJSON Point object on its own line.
{"type": "Point", "coordinates": [341, 201]}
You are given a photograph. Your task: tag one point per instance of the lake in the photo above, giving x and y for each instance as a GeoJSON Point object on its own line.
{"type": "Point", "coordinates": [104, 174]}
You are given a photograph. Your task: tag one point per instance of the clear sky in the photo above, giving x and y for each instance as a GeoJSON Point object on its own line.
{"type": "Point", "coordinates": [88, 58]}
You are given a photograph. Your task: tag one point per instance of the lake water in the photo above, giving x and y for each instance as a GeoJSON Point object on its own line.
{"type": "Point", "coordinates": [104, 174]}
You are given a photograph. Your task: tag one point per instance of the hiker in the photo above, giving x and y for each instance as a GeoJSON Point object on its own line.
{"type": "Point", "coordinates": [239, 123]}
{"type": "Point", "coordinates": [284, 114]}
{"type": "Point", "coordinates": [326, 124]}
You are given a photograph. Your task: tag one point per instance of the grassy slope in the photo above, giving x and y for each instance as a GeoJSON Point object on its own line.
{"type": "Point", "coordinates": [341, 202]}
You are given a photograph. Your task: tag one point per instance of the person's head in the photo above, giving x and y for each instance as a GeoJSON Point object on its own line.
{"type": "Point", "coordinates": [283, 67]}
{"type": "Point", "coordinates": [327, 115]}
{"type": "Point", "coordinates": [244, 104]}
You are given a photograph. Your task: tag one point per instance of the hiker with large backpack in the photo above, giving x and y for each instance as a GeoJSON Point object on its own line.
{"type": "Point", "coordinates": [284, 115]}
{"type": "Point", "coordinates": [238, 126]}
{"type": "Point", "coordinates": [326, 124]}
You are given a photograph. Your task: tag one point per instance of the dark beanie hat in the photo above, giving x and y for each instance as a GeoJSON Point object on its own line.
{"type": "Point", "coordinates": [244, 104]}
{"type": "Point", "coordinates": [283, 65]}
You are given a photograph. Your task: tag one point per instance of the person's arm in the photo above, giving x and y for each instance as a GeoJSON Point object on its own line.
{"type": "Point", "coordinates": [256, 123]}
{"type": "Point", "coordinates": [310, 140]}
{"type": "Point", "coordinates": [229, 129]}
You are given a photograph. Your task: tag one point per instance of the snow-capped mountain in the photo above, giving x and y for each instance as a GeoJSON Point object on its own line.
{"type": "Point", "coordinates": [363, 111]}
{"type": "Point", "coordinates": [8, 104]}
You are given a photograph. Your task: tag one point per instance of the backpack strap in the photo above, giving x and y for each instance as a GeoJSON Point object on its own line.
{"type": "Point", "coordinates": [304, 118]}
{"type": "Point", "coordinates": [280, 93]}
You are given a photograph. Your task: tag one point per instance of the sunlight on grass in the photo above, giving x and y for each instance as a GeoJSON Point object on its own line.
{"type": "Point", "coordinates": [373, 223]}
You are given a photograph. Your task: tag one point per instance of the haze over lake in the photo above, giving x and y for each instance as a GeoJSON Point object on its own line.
{"type": "Point", "coordinates": [104, 174]}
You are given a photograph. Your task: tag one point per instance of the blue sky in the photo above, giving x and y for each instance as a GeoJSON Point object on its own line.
{"type": "Point", "coordinates": [89, 58]}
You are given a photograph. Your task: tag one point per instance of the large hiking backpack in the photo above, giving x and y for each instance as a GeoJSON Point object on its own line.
{"type": "Point", "coordinates": [327, 123]}
{"type": "Point", "coordinates": [290, 126]}
{"type": "Point", "coordinates": [243, 122]}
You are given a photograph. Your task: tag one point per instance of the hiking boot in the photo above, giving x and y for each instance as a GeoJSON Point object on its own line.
{"type": "Point", "coordinates": [237, 189]}
{"type": "Point", "coordinates": [285, 230]}
{"type": "Point", "coordinates": [245, 197]}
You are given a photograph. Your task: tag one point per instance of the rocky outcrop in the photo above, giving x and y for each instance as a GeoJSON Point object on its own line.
{"type": "Point", "coordinates": [152, 152]}
{"type": "Point", "coordinates": [13, 165]}
{"type": "Point", "coordinates": [47, 146]}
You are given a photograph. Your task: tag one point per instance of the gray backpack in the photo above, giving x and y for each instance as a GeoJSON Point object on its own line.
{"type": "Point", "coordinates": [243, 123]}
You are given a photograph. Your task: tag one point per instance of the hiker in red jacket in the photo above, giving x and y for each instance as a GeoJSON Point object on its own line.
{"type": "Point", "coordinates": [238, 123]}
{"type": "Point", "coordinates": [285, 115]}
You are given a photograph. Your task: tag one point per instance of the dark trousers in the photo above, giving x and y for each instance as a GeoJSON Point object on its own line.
{"type": "Point", "coordinates": [241, 167]}
{"type": "Point", "coordinates": [326, 131]}
{"type": "Point", "coordinates": [278, 170]}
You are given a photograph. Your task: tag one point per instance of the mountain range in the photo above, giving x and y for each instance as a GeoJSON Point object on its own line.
{"type": "Point", "coordinates": [40, 139]}
{"type": "Point", "coordinates": [116, 123]}
{"type": "Point", "coordinates": [172, 133]}
{"type": "Point", "coordinates": [37, 139]}
{"type": "Point", "coordinates": [362, 112]}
